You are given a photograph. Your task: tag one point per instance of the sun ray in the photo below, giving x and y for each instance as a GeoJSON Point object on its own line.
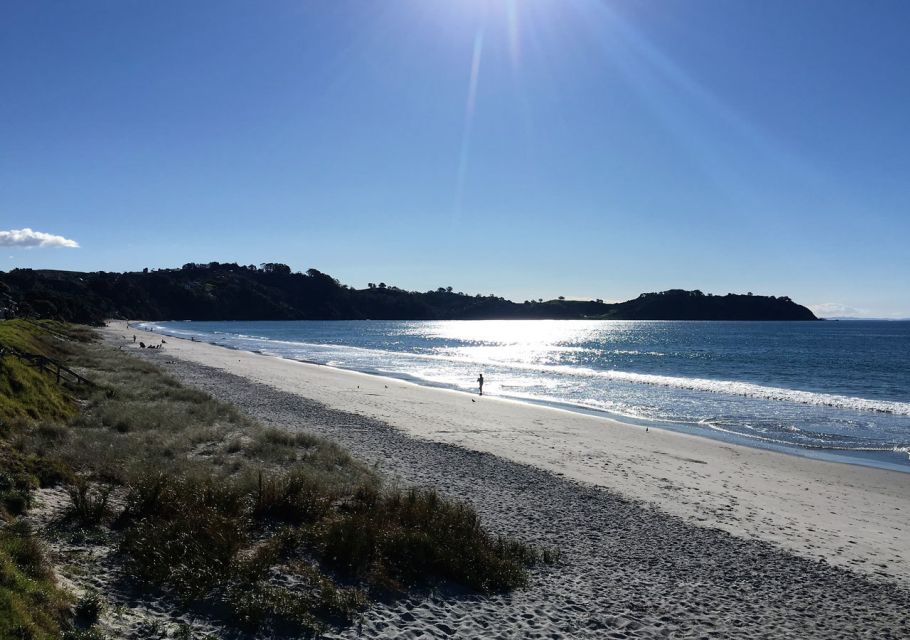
{"type": "Point", "coordinates": [470, 107]}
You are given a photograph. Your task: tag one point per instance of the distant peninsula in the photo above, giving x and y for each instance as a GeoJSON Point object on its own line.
{"type": "Point", "coordinates": [272, 291]}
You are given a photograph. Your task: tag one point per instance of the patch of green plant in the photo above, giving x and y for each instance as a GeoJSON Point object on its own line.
{"type": "Point", "coordinates": [31, 604]}
{"type": "Point", "coordinates": [21, 472]}
{"type": "Point", "coordinates": [313, 601]}
{"type": "Point", "coordinates": [27, 394]}
{"type": "Point", "coordinates": [91, 633]}
{"type": "Point", "coordinates": [26, 336]}
{"type": "Point", "coordinates": [396, 539]}
{"type": "Point", "coordinates": [295, 497]}
{"type": "Point", "coordinates": [183, 533]}
{"type": "Point", "coordinates": [88, 608]}
{"type": "Point", "coordinates": [88, 506]}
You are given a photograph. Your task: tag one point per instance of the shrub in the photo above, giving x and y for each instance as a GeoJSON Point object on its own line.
{"type": "Point", "coordinates": [183, 534]}
{"type": "Point", "coordinates": [88, 504]}
{"type": "Point", "coordinates": [313, 599]}
{"type": "Point", "coordinates": [294, 497]}
{"type": "Point", "coordinates": [402, 538]}
{"type": "Point", "coordinates": [88, 608]}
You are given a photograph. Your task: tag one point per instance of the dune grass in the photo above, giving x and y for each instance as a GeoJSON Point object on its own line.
{"type": "Point", "coordinates": [211, 505]}
{"type": "Point", "coordinates": [27, 394]}
{"type": "Point", "coordinates": [31, 604]}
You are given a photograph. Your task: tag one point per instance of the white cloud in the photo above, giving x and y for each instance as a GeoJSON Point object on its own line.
{"type": "Point", "coordinates": [836, 309]}
{"type": "Point", "coordinates": [28, 238]}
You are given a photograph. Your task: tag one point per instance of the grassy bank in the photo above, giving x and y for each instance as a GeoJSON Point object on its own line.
{"type": "Point", "coordinates": [31, 603]}
{"type": "Point", "coordinates": [260, 528]}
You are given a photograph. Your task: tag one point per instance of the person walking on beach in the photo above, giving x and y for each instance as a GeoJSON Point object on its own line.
{"type": "Point", "coordinates": [480, 382]}
{"type": "Point", "coordinates": [134, 338]}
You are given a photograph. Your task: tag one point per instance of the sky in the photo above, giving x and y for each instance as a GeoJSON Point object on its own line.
{"type": "Point", "coordinates": [527, 148]}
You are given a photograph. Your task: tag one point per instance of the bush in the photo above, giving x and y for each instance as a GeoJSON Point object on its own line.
{"type": "Point", "coordinates": [294, 498]}
{"type": "Point", "coordinates": [398, 539]}
{"type": "Point", "coordinates": [313, 599]}
{"type": "Point", "coordinates": [88, 504]}
{"type": "Point", "coordinates": [88, 608]}
{"type": "Point", "coordinates": [183, 534]}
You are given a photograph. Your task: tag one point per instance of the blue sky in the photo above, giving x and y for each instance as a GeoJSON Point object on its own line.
{"type": "Point", "coordinates": [526, 148]}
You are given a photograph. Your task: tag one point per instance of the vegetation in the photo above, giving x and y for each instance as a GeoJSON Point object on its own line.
{"type": "Point", "coordinates": [31, 604]}
{"type": "Point", "coordinates": [228, 291]}
{"type": "Point", "coordinates": [677, 304]}
{"type": "Point", "coordinates": [207, 506]}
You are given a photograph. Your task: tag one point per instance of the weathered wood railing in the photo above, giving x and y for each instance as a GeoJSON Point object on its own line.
{"type": "Point", "coordinates": [45, 364]}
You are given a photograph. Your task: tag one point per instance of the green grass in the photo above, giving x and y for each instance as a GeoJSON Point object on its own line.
{"type": "Point", "coordinates": [31, 605]}
{"type": "Point", "coordinates": [26, 393]}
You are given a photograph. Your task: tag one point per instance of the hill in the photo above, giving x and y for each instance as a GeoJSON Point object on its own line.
{"type": "Point", "coordinates": [678, 304]}
{"type": "Point", "coordinates": [228, 291]}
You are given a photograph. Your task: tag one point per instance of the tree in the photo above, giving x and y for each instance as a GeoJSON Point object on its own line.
{"type": "Point", "coordinates": [382, 285]}
{"type": "Point", "coordinates": [562, 297]}
{"type": "Point", "coordinates": [275, 267]}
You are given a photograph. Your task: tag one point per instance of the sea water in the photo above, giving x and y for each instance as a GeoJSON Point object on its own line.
{"type": "Point", "coordinates": [834, 390]}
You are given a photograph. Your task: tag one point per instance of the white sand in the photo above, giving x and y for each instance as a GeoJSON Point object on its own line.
{"type": "Point", "coordinates": [852, 516]}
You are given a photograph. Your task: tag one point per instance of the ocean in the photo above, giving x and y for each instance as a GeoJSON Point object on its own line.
{"type": "Point", "coordinates": [832, 390]}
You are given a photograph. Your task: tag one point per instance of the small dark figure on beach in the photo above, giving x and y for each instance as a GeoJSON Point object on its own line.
{"type": "Point", "coordinates": [134, 339]}
{"type": "Point", "coordinates": [142, 345]}
{"type": "Point", "coordinates": [163, 341]}
{"type": "Point", "coordinates": [480, 382]}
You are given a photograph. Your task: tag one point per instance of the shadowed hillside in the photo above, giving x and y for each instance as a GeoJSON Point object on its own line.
{"type": "Point", "coordinates": [228, 291]}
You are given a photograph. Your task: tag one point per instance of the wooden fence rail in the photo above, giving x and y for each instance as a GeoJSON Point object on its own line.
{"type": "Point", "coordinates": [61, 372]}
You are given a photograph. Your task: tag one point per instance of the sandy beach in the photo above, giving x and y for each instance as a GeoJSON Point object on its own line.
{"type": "Point", "coordinates": [664, 534]}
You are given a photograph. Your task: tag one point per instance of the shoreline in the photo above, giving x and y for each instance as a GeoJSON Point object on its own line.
{"type": "Point", "coordinates": [851, 515]}
{"type": "Point", "coordinates": [893, 459]}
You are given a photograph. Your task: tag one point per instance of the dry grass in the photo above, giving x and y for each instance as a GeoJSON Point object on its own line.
{"type": "Point", "coordinates": [216, 505]}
